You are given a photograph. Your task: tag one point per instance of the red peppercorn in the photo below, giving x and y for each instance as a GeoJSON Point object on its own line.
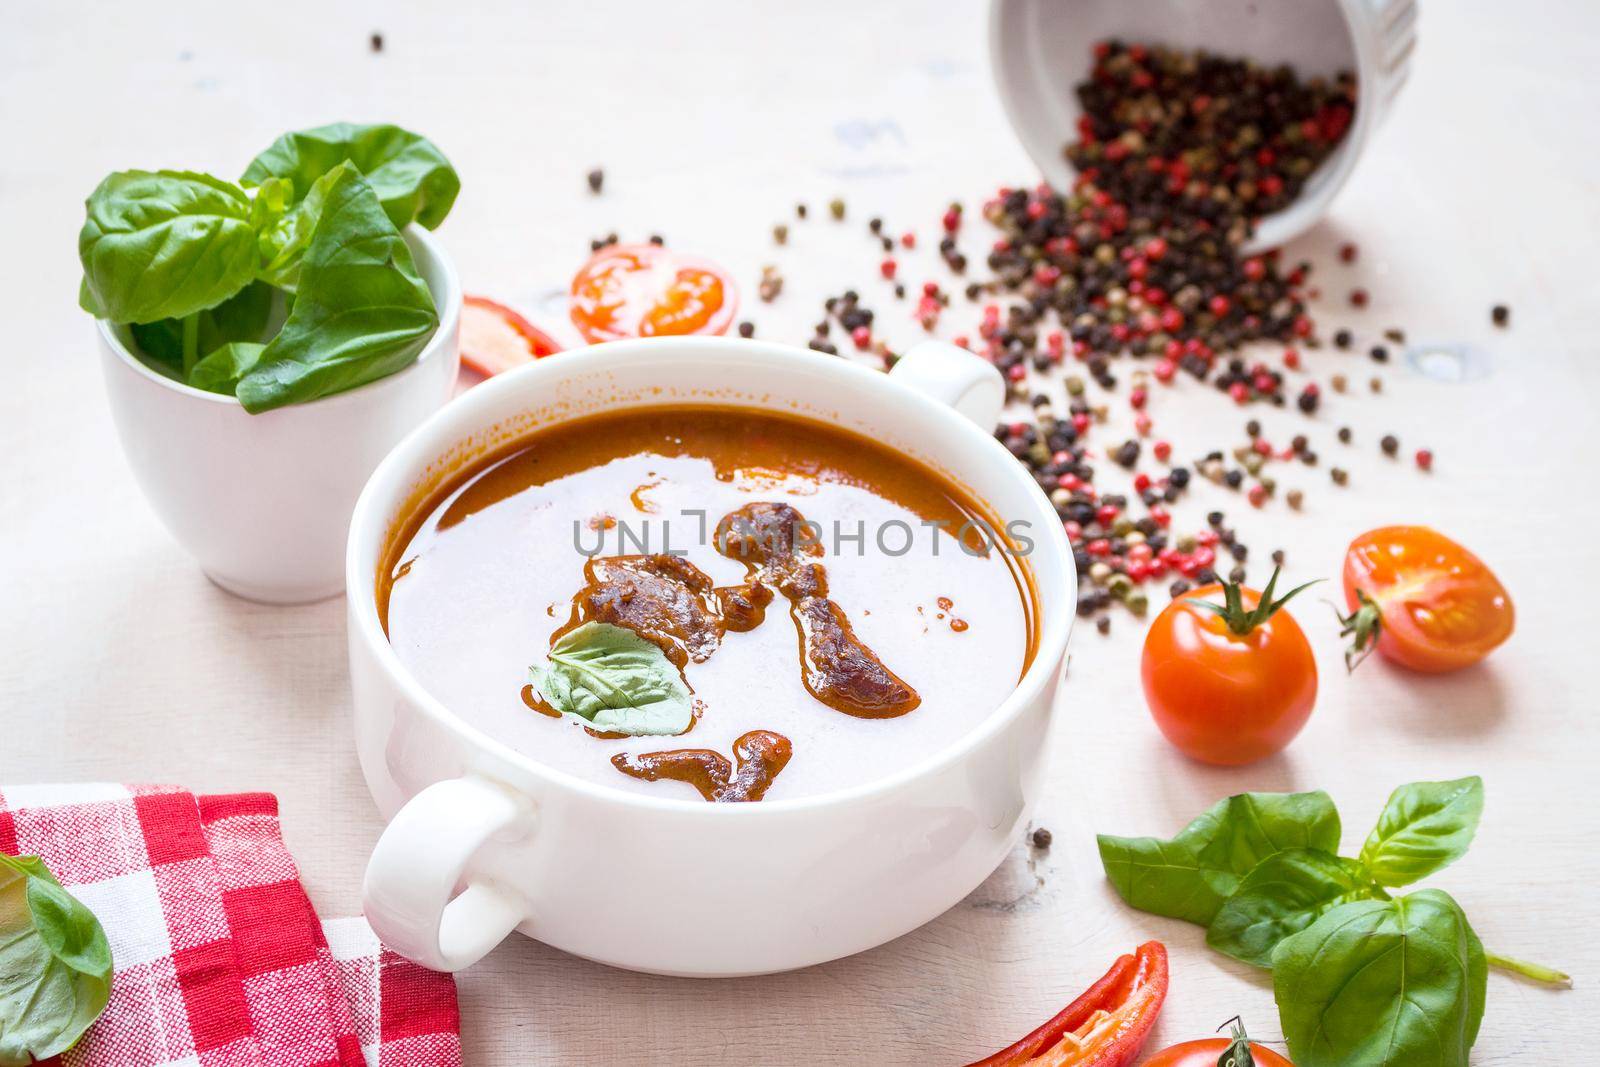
{"type": "Point", "coordinates": [1142, 424]}
{"type": "Point", "coordinates": [862, 336]}
{"type": "Point", "coordinates": [1257, 495]}
{"type": "Point", "coordinates": [1425, 459]}
{"type": "Point", "coordinates": [1219, 305]}
{"type": "Point", "coordinates": [1302, 326]}
{"type": "Point", "coordinates": [1358, 298]}
{"type": "Point", "coordinates": [1106, 514]}
{"type": "Point", "coordinates": [1137, 398]}
{"type": "Point", "coordinates": [888, 267]}
{"type": "Point", "coordinates": [951, 220]}
{"type": "Point", "coordinates": [908, 240]}
{"type": "Point", "coordinates": [1261, 446]}
{"type": "Point", "coordinates": [1347, 253]}
{"type": "Point", "coordinates": [1165, 370]}
{"type": "Point", "coordinates": [1141, 482]}
{"type": "Point", "coordinates": [1098, 547]}
{"type": "Point", "coordinates": [1291, 358]}
{"type": "Point", "coordinates": [1160, 516]}
{"type": "Point", "coordinates": [1162, 450]}
{"type": "Point", "coordinates": [1171, 319]}
{"type": "Point", "coordinates": [1240, 393]}
{"type": "Point", "coordinates": [1156, 247]}
{"type": "Point", "coordinates": [1017, 372]}
{"type": "Point", "coordinates": [1080, 423]}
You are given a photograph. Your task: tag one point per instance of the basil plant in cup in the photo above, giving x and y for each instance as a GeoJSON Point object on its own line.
{"type": "Point", "coordinates": [292, 283]}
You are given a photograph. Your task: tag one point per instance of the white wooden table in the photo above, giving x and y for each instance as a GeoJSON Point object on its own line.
{"type": "Point", "coordinates": [118, 660]}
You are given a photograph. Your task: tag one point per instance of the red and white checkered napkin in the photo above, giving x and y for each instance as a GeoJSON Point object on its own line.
{"type": "Point", "coordinates": [220, 960]}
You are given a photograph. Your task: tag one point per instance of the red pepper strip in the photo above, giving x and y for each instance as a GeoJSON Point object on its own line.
{"type": "Point", "coordinates": [495, 338]}
{"type": "Point", "coordinates": [1103, 1028]}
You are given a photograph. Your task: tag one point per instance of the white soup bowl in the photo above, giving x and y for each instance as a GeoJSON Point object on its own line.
{"type": "Point", "coordinates": [484, 839]}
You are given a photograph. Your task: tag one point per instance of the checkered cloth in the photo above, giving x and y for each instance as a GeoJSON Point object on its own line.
{"type": "Point", "coordinates": [220, 960]}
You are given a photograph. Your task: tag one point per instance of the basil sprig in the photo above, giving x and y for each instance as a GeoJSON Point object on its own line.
{"type": "Point", "coordinates": [55, 964]}
{"type": "Point", "coordinates": [615, 682]}
{"type": "Point", "coordinates": [196, 266]}
{"type": "Point", "coordinates": [1359, 976]}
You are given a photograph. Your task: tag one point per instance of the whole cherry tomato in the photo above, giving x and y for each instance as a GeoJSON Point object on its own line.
{"type": "Point", "coordinates": [1423, 600]}
{"type": "Point", "coordinates": [648, 291]}
{"type": "Point", "coordinates": [1229, 683]}
{"type": "Point", "coordinates": [1235, 1051]}
{"type": "Point", "coordinates": [495, 338]}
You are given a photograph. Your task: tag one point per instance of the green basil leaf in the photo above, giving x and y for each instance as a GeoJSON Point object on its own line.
{"type": "Point", "coordinates": [616, 681]}
{"type": "Point", "coordinates": [242, 317]}
{"type": "Point", "coordinates": [1425, 827]}
{"type": "Point", "coordinates": [1282, 895]}
{"type": "Point", "coordinates": [1191, 875]}
{"type": "Point", "coordinates": [220, 371]}
{"type": "Point", "coordinates": [412, 178]}
{"type": "Point", "coordinates": [1382, 981]}
{"type": "Point", "coordinates": [164, 245]}
{"type": "Point", "coordinates": [55, 964]}
{"type": "Point", "coordinates": [285, 240]}
{"type": "Point", "coordinates": [360, 310]}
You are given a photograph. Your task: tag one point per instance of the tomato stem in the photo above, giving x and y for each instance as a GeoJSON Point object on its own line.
{"type": "Point", "coordinates": [1365, 624]}
{"type": "Point", "coordinates": [1232, 610]}
{"type": "Point", "coordinates": [1237, 1054]}
{"type": "Point", "coordinates": [1536, 971]}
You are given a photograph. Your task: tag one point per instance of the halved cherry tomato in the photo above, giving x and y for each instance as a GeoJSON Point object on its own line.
{"type": "Point", "coordinates": [1426, 602]}
{"type": "Point", "coordinates": [494, 338]}
{"type": "Point", "coordinates": [1218, 1052]}
{"type": "Point", "coordinates": [648, 291]}
{"type": "Point", "coordinates": [1229, 683]}
{"type": "Point", "coordinates": [1106, 1026]}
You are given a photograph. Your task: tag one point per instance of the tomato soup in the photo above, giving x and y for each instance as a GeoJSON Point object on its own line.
{"type": "Point", "coordinates": [834, 611]}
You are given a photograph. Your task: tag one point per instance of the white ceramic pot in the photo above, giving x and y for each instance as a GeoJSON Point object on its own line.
{"type": "Point", "coordinates": [263, 501]}
{"type": "Point", "coordinates": [1040, 49]}
{"type": "Point", "coordinates": [483, 840]}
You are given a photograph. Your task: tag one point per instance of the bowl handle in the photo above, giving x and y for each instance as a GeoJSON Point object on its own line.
{"type": "Point", "coordinates": [954, 376]}
{"type": "Point", "coordinates": [426, 851]}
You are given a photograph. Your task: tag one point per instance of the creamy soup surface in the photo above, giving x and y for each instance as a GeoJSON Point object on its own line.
{"type": "Point", "coordinates": [480, 580]}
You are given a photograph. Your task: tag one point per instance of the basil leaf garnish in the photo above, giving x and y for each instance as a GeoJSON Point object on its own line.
{"type": "Point", "coordinates": [1382, 981]}
{"type": "Point", "coordinates": [164, 245]}
{"type": "Point", "coordinates": [1282, 895]}
{"type": "Point", "coordinates": [615, 681]}
{"type": "Point", "coordinates": [55, 964]}
{"type": "Point", "coordinates": [360, 310]}
{"type": "Point", "coordinates": [413, 179]}
{"type": "Point", "coordinates": [1191, 875]}
{"type": "Point", "coordinates": [1425, 826]}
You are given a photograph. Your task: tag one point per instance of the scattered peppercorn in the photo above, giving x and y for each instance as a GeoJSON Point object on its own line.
{"type": "Point", "coordinates": [1340, 475]}
{"type": "Point", "coordinates": [1041, 838]}
{"type": "Point", "coordinates": [597, 178]}
{"type": "Point", "coordinates": [1358, 298]}
{"type": "Point", "coordinates": [799, 211]}
{"type": "Point", "coordinates": [1103, 624]}
{"type": "Point", "coordinates": [1425, 459]}
{"type": "Point", "coordinates": [780, 234]}
{"type": "Point", "coordinates": [747, 329]}
{"type": "Point", "coordinates": [375, 42]}
{"type": "Point", "coordinates": [836, 208]}
{"type": "Point", "coordinates": [1390, 444]}
{"type": "Point", "coordinates": [1500, 315]}
{"type": "Point", "coordinates": [1344, 435]}
{"type": "Point", "coordinates": [1379, 354]}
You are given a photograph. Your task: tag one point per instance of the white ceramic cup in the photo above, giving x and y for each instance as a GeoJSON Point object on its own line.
{"type": "Point", "coordinates": [1040, 49]}
{"type": "Point", "coordinates": [263, 501]}
{"type": "Point", "coordinates": [483, 839]}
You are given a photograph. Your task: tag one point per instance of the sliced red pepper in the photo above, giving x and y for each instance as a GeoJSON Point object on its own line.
{"type": "Point", "coordinates": [1103, 1028]}
{"type": "Point", "coordinates": [495, 338]}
